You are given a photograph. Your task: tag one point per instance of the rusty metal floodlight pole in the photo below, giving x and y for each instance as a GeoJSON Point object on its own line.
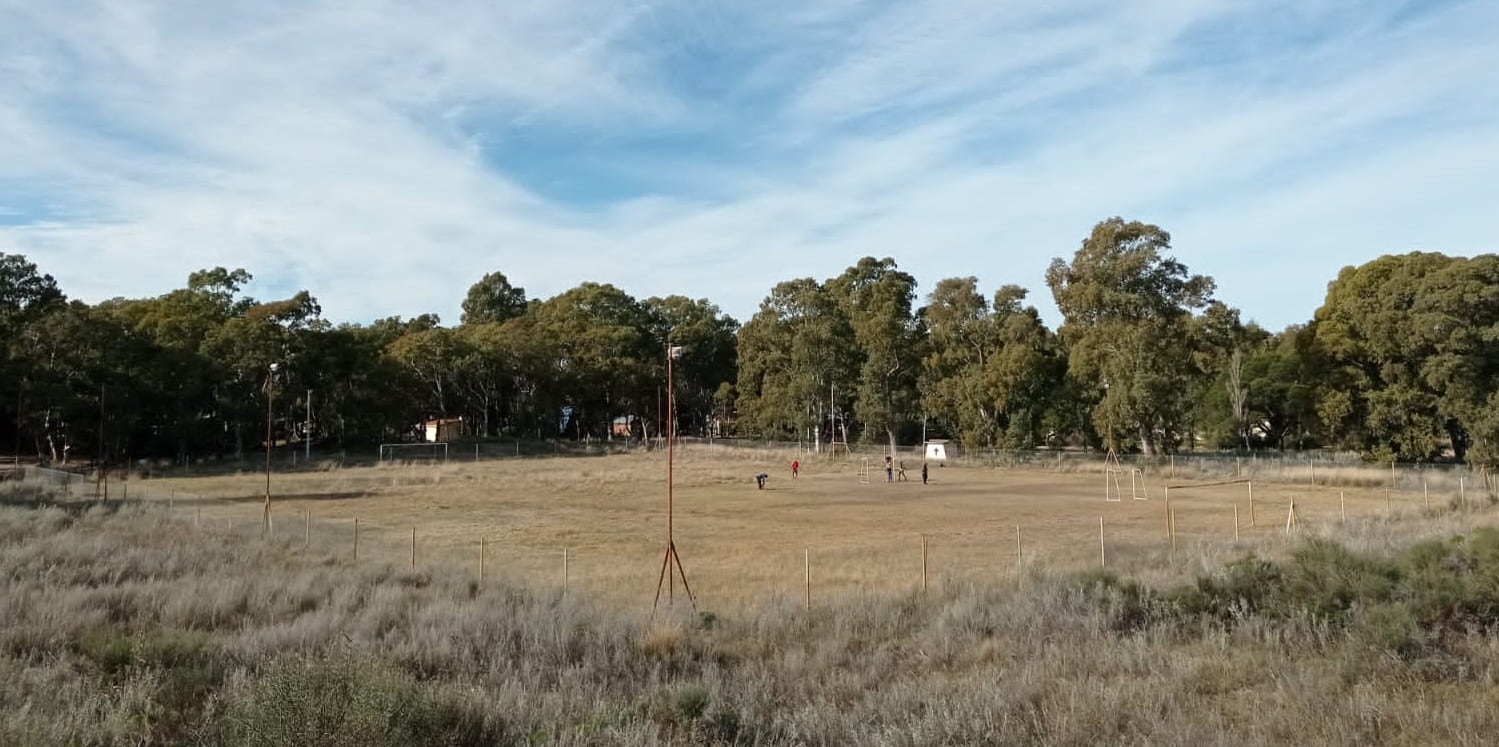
{"type": "Point", "coordinates": [671, 560]}
{"type": "Point", "coordinates": [270, 396]}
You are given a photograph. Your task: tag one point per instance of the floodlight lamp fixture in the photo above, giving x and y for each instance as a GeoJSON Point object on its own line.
{"type": "Point", "coordinates": [674, 352]}
{"type": "Point", "coordinates": [275, 367]}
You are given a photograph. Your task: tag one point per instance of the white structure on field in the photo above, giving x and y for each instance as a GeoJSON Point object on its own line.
{"type": "Point", "coordinates": [936, 451]}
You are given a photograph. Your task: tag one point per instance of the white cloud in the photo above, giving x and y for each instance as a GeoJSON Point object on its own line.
{"type": "Point", "coordinates": [343, 148]}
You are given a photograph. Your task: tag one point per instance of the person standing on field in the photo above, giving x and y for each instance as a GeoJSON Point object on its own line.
{"type": "Point", "coordinates": [760, 480]}
{"type": "Point", "coordinates": [889, 469]}
{"type": "Point", "coordinates": [796, 467]}
{"type": "Point", "coordinates": [923, 473]}
{"type": "Point", "coordinates": [900, 471]}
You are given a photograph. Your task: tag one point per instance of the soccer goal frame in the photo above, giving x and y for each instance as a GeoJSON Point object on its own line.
{"type": "Point", "coordinates": [388, 452]}
{"type": "Point", "coordinates": [864, 471]}
{"type": "Point", "coordinates": [1111, 469]}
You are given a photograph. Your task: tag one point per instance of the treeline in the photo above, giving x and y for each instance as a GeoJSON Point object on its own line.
{"type": "Point", "coordinates": [1400, 362]}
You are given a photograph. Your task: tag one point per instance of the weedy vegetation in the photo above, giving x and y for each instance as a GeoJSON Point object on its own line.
{"type": "Point", "coordinates": [125, 626]}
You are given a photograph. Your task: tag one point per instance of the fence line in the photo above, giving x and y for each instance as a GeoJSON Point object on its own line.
{"type": "Point", "coordinates": [897, 560]}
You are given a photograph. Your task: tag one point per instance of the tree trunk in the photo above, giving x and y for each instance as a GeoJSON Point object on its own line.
{"type": "Point", "coordinates": [1147, 441]}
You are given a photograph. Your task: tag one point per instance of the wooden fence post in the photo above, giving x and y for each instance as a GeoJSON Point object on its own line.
{"type": "Point", "coordinates": [1236, 522]}
{"type": "Point", "coordinates": [307, 529]}
{"type": "Point", "coordinates": [413, 547]}
{"type": "Point", "coordinates": [481, 556]}
{"type": "Point", "coordinates": [356, 537]}
{"type": "Point", "coordinates": [1425, 494]}
{"type": "Point", "coordinates": [565, 572]}
{"type": "Point", "coordinates": [1342, 506]}
{"type": "Point", "coordinates": [1251, 503]}
{"type": "Point", "coordinates": [1170, 533]}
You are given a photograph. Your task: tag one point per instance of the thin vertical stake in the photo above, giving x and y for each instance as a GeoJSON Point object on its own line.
{"type": "Point", "coordinates": [807, 576]}
{"type": "Point", "coordinates": [1103, 561]}
{"type": "Point", "coordinates": [1172, 527]}
{"type": "Point", "coordinates": [1342, 506]}
{"type": "Point", "coordinates": [413, 547]}
{"type": "Point", "coordinates": [923, 563]}
{"type": "Point", "coordinates": [564, 571]}
{"type": "Point", "coordinates": [1462, 493]}
{"type": "Point", "coordinates": [481, 556]}
{"type": "Point", "coordinates": [1019, 559]}
{"type": "Point", "coordinates": [307, 529]}
{"type": "Point", "coordinates": [1425, 495]}
{"type": "Point", "coordinates": [1236, 522]}
{"type": "Point", "coordinates": [356, 537]}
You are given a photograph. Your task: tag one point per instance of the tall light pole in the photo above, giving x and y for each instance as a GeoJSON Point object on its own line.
{"type": "Point", "coordinates": [671, 558]}
{"type": "Point", "coordinates": [270, 398]}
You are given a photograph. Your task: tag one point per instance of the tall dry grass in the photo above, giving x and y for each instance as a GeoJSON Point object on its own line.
{"type": "Point", "coordinates": [125, 626]}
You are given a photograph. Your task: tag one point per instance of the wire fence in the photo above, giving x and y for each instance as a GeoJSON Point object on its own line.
{"type": "Point", "coordinates": [1144, 532]}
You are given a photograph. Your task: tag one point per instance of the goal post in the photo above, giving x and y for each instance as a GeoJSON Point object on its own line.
{"type": "Point", "coordinates": [434, 451]}
{"type": "Point", "coordinates": [1111, 469]}
{"type": "Point", "coordinates": [1137, 477]}
{"type": "Point", "coordinates": [864, 472]}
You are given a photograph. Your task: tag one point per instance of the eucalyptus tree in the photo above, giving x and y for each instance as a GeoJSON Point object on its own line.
{"type": "Point", "coordinates": [1412, 350]}
{"type": "Point", "coordinates": [799, 364]}
{"type": "Point", "coordinates": [607, 361]}
{"type": "Point", "coordinates": [876, 297]}
{"type": "Point", "coordinates": [493, 299]}
{"type": "Point", "coordinates": [991, 372]}
{"type": "Point", "coordinates": [1126, 309]}
{"type": "Point", "coordinates": [709, 356]}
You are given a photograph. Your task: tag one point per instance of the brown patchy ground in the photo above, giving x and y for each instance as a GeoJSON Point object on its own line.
{"type": "Point", "coordinates": [742, 545]}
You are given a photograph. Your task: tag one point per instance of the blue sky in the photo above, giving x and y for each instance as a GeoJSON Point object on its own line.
{"type": "Point", "coordinates": [386, 154]}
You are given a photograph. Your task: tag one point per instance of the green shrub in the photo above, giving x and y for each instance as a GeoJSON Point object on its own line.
{"type": "Point", "coordinates": [348, 702]}
{"type": "Point", "coordinates": [1127, 604]}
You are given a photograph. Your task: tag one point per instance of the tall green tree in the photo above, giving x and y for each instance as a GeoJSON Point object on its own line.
{"type": "Point", "coordinates": [493, 299]}
{"type": "Point", "coordinates": [608, 363]}
{"type": "Point", "coordinates": [1127, 307]}
{"type": "Point", "coordinates": [709, 359]}
{"type": "Point", "coordinates": [799, 364]}
{"type": "Point", "coordinates": [991, 372]}
{"type": "Point", "coordinates": [26, 294]}
{"type": "Point", "coordinates": [1412, 349]}
{"type": "Point", "coordinates": [876, 298]}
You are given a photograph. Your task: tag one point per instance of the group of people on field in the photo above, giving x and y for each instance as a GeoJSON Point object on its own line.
{"type": "Point", "coordinates": [894, 471]}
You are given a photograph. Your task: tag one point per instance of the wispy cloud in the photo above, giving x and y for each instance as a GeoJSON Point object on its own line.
{"type": "Point", "coordinates": [384, 155]}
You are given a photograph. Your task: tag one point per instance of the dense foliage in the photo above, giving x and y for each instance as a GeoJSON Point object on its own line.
{"type": "Point", "coordinates": [1400, 362]}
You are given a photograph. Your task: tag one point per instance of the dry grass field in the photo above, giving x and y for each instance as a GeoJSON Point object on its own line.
{"type": "Point", "coordinates": [742, 546]}
{"type": "Point", "coordinates": [123, 624]}
{"type": "Point", "coordinates": [168, 619]}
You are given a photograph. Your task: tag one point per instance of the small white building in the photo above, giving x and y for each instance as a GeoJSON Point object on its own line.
{"type": "Point", "coordinates": [935, 450]}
